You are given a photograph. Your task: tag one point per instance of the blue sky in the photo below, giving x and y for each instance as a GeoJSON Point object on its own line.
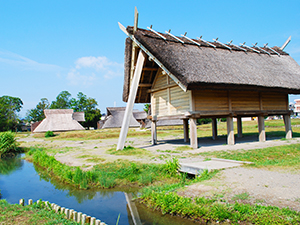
{"type": "Point", "coordinates": [50, 46]}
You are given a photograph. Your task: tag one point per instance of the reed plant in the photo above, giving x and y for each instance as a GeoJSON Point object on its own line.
{"type": "Point", "coordinates": [8, 143]}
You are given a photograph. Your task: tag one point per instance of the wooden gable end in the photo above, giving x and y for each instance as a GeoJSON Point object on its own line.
{"type": "Point", "coordinates": [167, 98]}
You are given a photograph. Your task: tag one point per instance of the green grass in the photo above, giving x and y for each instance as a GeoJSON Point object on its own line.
{"type": "Point", "coordinates": [29, 214]}
{"type": "Point", "coordinates": [210, 210]}
{"type": "Point", "coordinates": [286, 156]}
{"type": "Point", "coordinates": [242, 196]}
{"type": "Point", "coordinates": [104, 175]}
{"type": "Point", "coordinates": [91, 158]}
{"type": "Point", "coordinates": [129, 150]}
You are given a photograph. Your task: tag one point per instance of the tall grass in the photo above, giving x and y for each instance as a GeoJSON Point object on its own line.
{"type": "Point", "coordinates": [8, 143]}
{"type": "Point", "coordinates": [105, 175]}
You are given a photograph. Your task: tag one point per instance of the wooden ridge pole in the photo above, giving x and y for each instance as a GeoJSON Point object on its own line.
{"type": "Point", "coordinates": [131, 99]}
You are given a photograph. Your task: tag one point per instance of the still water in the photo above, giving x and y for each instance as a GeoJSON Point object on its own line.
{"type": "Point", "coordinates": [21, 179]}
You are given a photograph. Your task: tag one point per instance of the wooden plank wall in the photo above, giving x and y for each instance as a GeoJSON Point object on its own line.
{"type": "Point", "coordinates": [170, 100]}
{"type": "Point", "coordinates": [210, 100]}
{"type": "Point", "coordinates": [244, 101]}
{"type": "Point", "coordinates": [274, 101]}
{"type": "Point", "coordinates": [215, 100]}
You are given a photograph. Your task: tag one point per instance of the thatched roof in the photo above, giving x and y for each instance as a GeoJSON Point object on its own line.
{"type": "Point", "coordinates": [114, 118]}
{"type": "Point", "coordinates": [217, 68]}
{"type": "Point", "coordinates": [58, 120]}
{"type": "Point", "coordinates": [79, 116]}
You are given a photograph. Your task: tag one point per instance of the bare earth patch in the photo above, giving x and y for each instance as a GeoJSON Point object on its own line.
{"type": "Point", "coordinates": [251, 185]}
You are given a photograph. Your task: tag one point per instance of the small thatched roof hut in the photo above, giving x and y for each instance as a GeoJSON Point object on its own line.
{"type": "Point", "coordinates": [59, 120]}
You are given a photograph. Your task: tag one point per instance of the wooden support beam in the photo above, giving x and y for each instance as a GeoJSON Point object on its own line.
{"type": "Point", "coordinates": [193, 131]}
{"type": "Point", "coordinates": [230, 131]}
{"type": "Point", "coordinates": [149, 69]}
{"type": "Point", "coordinates": [239, 126]}
{"type": "Point", "coordinates": [261, 128]}
{"type": "Point", "coordinates": [154, 131]}
{"type": "Point", "coordinates": [214, 129]}
{"type": "Point", "coordinates": [162, 88]}
{"type": "Point", "coordinates": [145, 85]}
{"type": "Point", "coordinates": [186, 130]}
{"type": "Point", "coordinates": [131, 100]}
{"type": "Point", "coordinates": [288, 126]}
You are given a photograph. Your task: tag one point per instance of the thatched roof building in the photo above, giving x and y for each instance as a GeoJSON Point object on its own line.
{"type": "Point", "coordinates": [60, 120]}
{"type": "Point", "coordinates": [114, 118]}
{"type": "Point", "coordinates": [187, 79]}
{"type": "Point", "coordinates": [207, 67]}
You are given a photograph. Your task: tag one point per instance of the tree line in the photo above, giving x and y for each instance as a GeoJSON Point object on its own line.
{"type": "Point", "coordinates": [10, 106]}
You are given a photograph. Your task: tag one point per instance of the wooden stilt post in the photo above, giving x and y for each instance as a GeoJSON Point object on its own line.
{"type": "Point", "coordinates": [214, 128]}
{"type": "Point", "coordinates": [230, 131]}
{"type": "Point", "coordinates": [288, 126]}
{"type": "Point", "coordinates": [153, 130]}
{"type": "Point", "coordinates": [239, 127]}
{"type": "Point", "coordinates": [131, 100]}
{"type": "Point", "coordinates": [261, 129]}
{"type": "Point", "coordinates": [186, 130]}
{"type": "Point", "coordinates": [193, 131]}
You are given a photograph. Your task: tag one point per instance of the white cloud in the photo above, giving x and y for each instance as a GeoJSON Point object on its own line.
{"type": "Point", "coordinates": [24, 63]}
{"type": "Point", "coordinates": [89, 69]}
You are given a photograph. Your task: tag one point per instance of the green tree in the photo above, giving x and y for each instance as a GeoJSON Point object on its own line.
{"type": "Point", "coordinates": [37, 114]}
{"type": "Point", "coordinates": [63, 101]}
{"type": "Point", "coordinates": [146, 108]}
{"type": "Point", "coordinates": [88, 106]}
{"type": "Point", "coordinates": [91, 118]}
{"type": "Point", "coordinates": [9, 107]}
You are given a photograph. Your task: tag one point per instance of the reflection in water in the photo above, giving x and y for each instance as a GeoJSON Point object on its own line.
{"type": "Point", "coordinates": [21, 179]}
{"type": "Point", "coordinates": [9, 165]}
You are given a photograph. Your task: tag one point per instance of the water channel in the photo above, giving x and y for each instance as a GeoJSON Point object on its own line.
{"type": "Point", "coordinates": [21, 179]}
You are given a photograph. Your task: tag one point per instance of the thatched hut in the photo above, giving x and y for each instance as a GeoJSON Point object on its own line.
{"type": "Point", "coordinates": [114, 117]}
{"type": "Point", "coordinates": [60, 120]}
{"type": "Point", "coordinates": [187, 79]}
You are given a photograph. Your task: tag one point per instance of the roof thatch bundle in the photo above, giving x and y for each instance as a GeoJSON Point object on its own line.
{"type": "Point", "coordinates": [58, 120]}
{"type": "Point", "coordinates": [206, 67]}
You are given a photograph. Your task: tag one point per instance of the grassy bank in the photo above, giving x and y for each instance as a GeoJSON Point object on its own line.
{"type": "Point", "coordinates": [106, 175]}
{"type": "Point", "coordinates": [281, 157]}
{"type": "Point", "coordinates": [29, 214]}
{"type": "Point", "coordinates": [213, 210]}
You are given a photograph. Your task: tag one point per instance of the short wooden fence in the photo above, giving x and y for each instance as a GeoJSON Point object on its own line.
{"type": "Point", "coordinates": [70, 214]}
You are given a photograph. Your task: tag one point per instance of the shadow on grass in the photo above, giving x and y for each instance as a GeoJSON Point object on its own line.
{"type": "Point", "coordinates": [222, 139]}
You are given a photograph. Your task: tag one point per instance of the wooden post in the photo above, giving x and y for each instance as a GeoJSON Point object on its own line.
{"type": "Point", "coordinates": [239, 127]}
{"type": "Point", "coordinates": [186, 130]}
{"type": "Point", "coordinates": [193, 131]}
{"type": "Point", "coordinates": [214, 128]}
{"type": "Point", "coordinates": [230, 131]}
{"type": "Point", "coordinates": [131, 100]}
{"type": "Point", "coordinates": [288, 126]}
{"type": "Point", "coordinates": [261, 128]}
{"type": "Point", "coordinates": [153, 130]}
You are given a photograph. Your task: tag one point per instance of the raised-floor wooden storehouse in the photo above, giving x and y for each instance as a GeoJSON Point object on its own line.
{"type": "Point", "coordinates": [186, 79]}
